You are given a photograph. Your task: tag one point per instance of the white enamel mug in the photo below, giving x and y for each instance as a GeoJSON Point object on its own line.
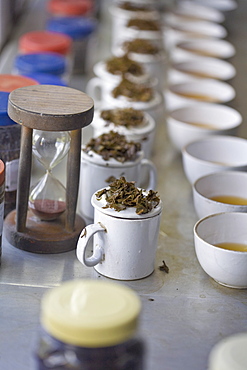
{"type": "Point", "coordinates": [121, 16]}
{"type": "Point", "coordinates": [154, 107]}
{"type": "Point", "coordinates": [104, 81]}
{"type": "Point", "coordinates": [96, 172]}
{"type": "Point", "coordinates": [124, 243]}
{"type": "Point", "coordinates": [143, 134]}
{"type": "Point", "coordinates": [156, 65]}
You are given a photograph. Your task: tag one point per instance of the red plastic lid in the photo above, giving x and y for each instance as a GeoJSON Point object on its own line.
{"type": "Point", "coordinates": [2, 172]}
{"type": "Point", "coordinates": [40, 41]}
{"type": "Point", "coordinates": [9, 83]}
{"type": "Point", "coordinates": [69, 7]}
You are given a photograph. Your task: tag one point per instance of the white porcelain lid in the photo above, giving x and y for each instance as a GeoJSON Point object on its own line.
{"type": "Point", "coordinates": [147, 126]}
{"type": "Point", "coordinates": [129, 213]}
{"type": "Point", "coordinates": [101, 71]}
{"type": "Point", "coordinates": [97, 159]}
{"type": "Point", "coordinates": [116, 11]}
{"type": "Point", "coordinates": [123, 101]}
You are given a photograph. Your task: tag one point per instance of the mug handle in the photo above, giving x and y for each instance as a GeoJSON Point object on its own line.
{"type": "Point", "coordinates": [83, 241]}
{"type": "Point", "coordinates": [94, 89]}
{"type": "Point", "coordinates": [152, 171]}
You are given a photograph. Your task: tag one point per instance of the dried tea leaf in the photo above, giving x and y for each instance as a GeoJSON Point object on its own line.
{"type": "Point", "coordinates": [133, 91]}
{"type": "Point", "coordinates": [110, 179]}
{"type": "Point", "coordinates": [141, 46]}
{"type": "Point", "coordinates": [133, 7]}
{"type": "Point", "coordinates": [113, 145]}
{"type": "Point", "coordinates": [124, 66]}
{"type": "Point", "coordinates": [143, 24]}
{"type": "Point", "coordinates": [164, 267]}
{"type": "Point", "coordinates": [126, 117]}
{"type": "Point", "coordinates": [122, 194]}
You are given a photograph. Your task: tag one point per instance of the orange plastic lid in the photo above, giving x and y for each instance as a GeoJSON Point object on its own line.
{"type": "Point", "coordinates": [69, 7]}
{"type": "Point", "coordinates": [2, 172]}
{"type": "Point", "coordinates": [9, 82]}
{"type": "Point", "coordinates": [40, 41]}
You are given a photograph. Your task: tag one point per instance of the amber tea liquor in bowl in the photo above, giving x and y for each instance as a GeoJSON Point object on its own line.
{"type": "Point", "coordinates": [221, 248]}
{"type": "Point", "coordinates": [224, 191]}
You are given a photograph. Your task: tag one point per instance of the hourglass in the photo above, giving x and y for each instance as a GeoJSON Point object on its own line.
{"type": "Point", "coordinates": [45, 219]}
{"type": "Point", "coordinates": [47, 199]}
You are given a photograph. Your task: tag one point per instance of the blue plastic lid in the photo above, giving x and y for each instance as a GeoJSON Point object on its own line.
{"type": "Point", "coordinates": [47, 79]}
{"type": "Point", "coordinates": [75, 27]}
{"type": "Point", "coordinates": [4, 118]}
{"type": "Point", "coordinates": [40, 63]}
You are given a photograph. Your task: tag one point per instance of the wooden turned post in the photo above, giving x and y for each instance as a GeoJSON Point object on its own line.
{"type": "Point", "coordinates": [47, 108]}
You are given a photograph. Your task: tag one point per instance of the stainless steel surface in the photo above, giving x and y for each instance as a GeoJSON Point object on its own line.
{"type": "Point", "coordinates": [184, 312]}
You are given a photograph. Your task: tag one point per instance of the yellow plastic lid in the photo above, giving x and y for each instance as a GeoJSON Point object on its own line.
{"type": "Point", "coordinates": [90, 313]}
{"type": "Point", "coordinates": [229, 354]}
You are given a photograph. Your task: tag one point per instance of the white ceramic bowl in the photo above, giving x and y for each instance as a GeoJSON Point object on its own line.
{"type": "Point", "coordinates": [194, 122]}
{"type": "Point", "coordinates": [218, 192]}
{"type": "Point", "coordinates": [222, 5]}
{"type": "Point", "coordinates": [206, 68]}
{"type": "Point", "coordinates": [193, 10]}
{"type": "Point", "coordinates": [215, 48]}
{"type": "Point", "coordinates": [204, 90]}
{"type": "Point", "coordinates": [196, 28]}
{"type": "Point", "coordinates": [227, 267]}
{"type": "Point", "coordinates": [214, 154]}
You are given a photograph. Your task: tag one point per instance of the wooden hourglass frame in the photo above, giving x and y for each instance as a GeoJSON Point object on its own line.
{"type": "Point", "coordinates": [47, 108]}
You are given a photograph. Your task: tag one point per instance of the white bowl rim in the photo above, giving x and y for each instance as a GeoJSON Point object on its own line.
{"type": "Point", "coordinates": [228, 214]}
{"type": "Point", "coordinates": [212, 138]}
{"type": "Point", "coordinates": [214, 106]}
{"type": "Point", "coordinates": [217, 174]}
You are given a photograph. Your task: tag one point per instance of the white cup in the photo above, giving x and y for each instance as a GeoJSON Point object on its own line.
{"type": "Point", "coordinates": [143, 134]}
{"type": "Point", "coordinates": [195, 10]}
{"type": "Point", "coordinates": [224, 191]}
{"type": "Point", "coordinates": [120, 17]}
{"type": "Point", "coordinates": [95, 173]}
{"type": "Point", "coordinates": [156, 65]}
{"type": "Point", "coordinates": [124, 243]}
{"type": "Point", "coordinates": [195, 27]}
{"type": "Point", "coordinates": [206, 67]}
{"type": "Point", "coordinates": [202, 47]}
{"type": "Point", "coordinates": [204, 90]}
{"type": "Point", "coordinates": [105, 81]}
{"type": "Point", "coordinates": [196, 121]}
{"type": "Point", "coordinates": [213, 154]}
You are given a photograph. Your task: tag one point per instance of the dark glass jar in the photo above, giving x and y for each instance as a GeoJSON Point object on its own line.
{"type": "Point", "coordinates": [89, 325]}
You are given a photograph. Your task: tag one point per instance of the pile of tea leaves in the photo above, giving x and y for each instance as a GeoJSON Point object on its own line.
{"type": "Point", "coordinates": [133, 91]}
{"type": "Point", "coordinates": [123, 66]}
{"type": "Point", "coordinates": [126, 117]}
{"type": "Point", "coordinates": [128, 5]}
{"type": "Point", "coordinates": [143, 24]}
{"type": "Point", "coordinates": [122, 194]}
{"type": "Point", "coordinates": [140, 46]}
{"type": "Point", "coordinates": [113, 145]}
